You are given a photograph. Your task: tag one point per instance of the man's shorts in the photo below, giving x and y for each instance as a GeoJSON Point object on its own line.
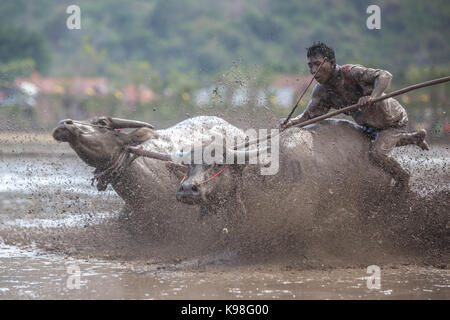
{"type": "Point", "coordinates": [388, 138]}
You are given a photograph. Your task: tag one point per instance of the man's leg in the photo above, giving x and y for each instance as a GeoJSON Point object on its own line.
{"type": "Point", "coordinates": [379, 154]}
{"type": "Point", "coordinates": [392, 106]}
{"type": "Point", "coordinates": [417, 138]}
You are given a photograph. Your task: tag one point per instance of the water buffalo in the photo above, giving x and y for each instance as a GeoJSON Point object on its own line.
{"type": "Point", "coordinates": [146, 185]}
{"type": "Point", "coordinates": [323, 168]}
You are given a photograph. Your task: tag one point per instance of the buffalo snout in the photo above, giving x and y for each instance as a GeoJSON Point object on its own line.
{"type": "Point", "coordinates": [189, 193]}
{"type": "Point", "coordinates": [61, 132]}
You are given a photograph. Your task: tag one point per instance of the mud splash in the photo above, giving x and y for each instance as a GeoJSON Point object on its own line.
{"type": "Point", "coordinates": [51, 218]}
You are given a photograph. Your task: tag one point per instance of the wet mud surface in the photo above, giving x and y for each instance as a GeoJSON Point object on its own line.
{"type": "Point", "coordinates": [52, 220]}
{"type": "Point", "coordinates": [31, 274]}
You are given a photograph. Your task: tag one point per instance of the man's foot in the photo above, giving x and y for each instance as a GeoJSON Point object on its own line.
{"type": "Point", "coordinates": [421, 134]}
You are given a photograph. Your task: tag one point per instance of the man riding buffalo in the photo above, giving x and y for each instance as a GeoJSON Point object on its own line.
{"type": "Point", "coordinates": [385, 121]}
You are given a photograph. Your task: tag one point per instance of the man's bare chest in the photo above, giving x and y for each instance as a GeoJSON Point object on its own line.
{"type": "Point", "coordinates": [342, 94]}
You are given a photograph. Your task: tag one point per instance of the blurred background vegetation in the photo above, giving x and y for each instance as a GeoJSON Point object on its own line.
{"type": "Point", "coordinates": [173, 51]}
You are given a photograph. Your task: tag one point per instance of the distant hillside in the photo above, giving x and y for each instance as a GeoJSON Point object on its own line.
{"type": "Point", "coordinates": [207, 36]}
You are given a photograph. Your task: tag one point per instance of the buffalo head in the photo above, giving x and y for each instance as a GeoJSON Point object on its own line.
{"type": "Point", "coordinates": [213, 180]}
{"type": "Point", "coordinates": [99, 142]}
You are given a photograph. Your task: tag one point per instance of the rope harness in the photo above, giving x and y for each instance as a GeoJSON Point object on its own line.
{"type": "Point", "coordinates": [205, 181]}
{"type": "Point", "coordinates": [104, 177]}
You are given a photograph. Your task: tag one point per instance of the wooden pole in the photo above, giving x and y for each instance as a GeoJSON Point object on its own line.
{"type": "Point", "coordinates": [299, 99]}
{"type": "Point", "coordinates": [354, 106]}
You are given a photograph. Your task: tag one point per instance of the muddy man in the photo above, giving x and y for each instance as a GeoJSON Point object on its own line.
{"type": "Point", "coordinates": [385, 121]}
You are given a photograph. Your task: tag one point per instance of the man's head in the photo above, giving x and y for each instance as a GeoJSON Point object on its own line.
{"type": "Point", "coordinates": [316, 54]}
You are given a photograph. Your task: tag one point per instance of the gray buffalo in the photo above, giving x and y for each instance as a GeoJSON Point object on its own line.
{"type": "Point", "coordinates": [146, 185]}
{"type": "Point", "coordinates": [323, 168]}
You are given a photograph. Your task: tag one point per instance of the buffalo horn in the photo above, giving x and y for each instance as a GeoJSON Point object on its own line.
{"type": "Point", "coordinates": [154, 155]}
{"type": "Point", "coordinates": [118, 123]}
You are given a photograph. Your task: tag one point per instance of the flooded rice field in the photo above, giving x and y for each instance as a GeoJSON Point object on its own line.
{"type": "Point", "coordinates": [31, 274]}
{"type": "Point", "coordinates": [58, 241]}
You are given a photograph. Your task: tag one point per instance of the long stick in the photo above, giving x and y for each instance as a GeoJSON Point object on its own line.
{"type": "Point", "coordinates": [166, 157]}
{"type": "Point", "coordinates": [298, 101]}
{"type": "Point", "coordinates": [339, 111]}
{"type": "Point", "coordinates": [354, 106]}
{"type": "Point", "coordinates": [246, 144]}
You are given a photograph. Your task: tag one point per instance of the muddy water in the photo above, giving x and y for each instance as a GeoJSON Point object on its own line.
{"type": "Point", "coordinates": [50, 192]}
{"type": "Point", "coordinates": [30, 274]}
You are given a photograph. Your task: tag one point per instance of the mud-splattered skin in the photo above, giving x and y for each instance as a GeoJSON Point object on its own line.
{"type": "Point", "coordinates": [317, 165]}
{"type": "Point", "coordinates": [146, 185]}
{"type": "Point", "coordinates": [341, 86]}
{"type": "Point", "coordinates": [212, 187]}
{"type": "Point", "coordinates": [268, 259]}
{"type": "Point", "coordinates": [95, 142]}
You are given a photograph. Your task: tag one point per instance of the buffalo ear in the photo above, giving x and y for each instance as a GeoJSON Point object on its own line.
{"type": "Point", "coordinates": [139, 136]}
{"type": "Point", "coordinates": [176, 170]}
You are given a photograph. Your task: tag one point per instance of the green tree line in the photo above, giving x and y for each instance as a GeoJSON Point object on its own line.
{"type": "Point", "coordinates": [205, 37]}
{"type": "Point", "coordinates": [179, 46]}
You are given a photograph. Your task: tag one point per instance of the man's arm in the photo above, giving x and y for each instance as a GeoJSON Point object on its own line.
{"type": "Point", "coordinates": [379, 79]}
{"type": "Point", "coordinates": [303, 116]}
{"type": "Point", "coordinates": [314, 108]}
{"type": "Point", "coordinates": [381, 83]}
